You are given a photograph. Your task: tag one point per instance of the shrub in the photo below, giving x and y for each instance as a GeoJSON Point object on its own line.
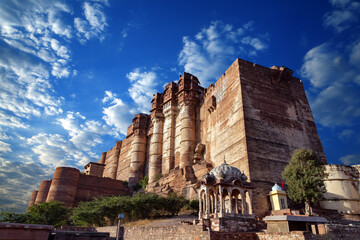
{"type": "Point", "coordinates": [12, 217]}
{"type": "Point", "coordinates": [49, 213]}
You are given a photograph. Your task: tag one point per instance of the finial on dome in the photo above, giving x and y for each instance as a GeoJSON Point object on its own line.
{"type": "Point", "coordinates": [224, 160]}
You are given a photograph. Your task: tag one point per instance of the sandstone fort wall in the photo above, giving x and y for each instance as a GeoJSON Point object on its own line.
{"type": "Point", "coordinates": [253, 117]}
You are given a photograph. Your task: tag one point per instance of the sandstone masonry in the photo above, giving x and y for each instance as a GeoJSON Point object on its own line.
{"type": "Point", "coordinates": [253, 116]}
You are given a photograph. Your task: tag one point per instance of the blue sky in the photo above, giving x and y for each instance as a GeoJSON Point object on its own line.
{"type": "Point", "coordinates": [73, 73]}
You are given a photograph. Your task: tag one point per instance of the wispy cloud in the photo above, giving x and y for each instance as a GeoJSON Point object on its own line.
{"type": "Point", "coordinates": [334, 72]}
{"type": "Point", "coordinates": [117, 113]}
{"type": "Point", "coordinates": [55, 150]}
{"type": "Point", "coordinates": [214, 47]}
{"type": "Point", "coordinates": [35, 53]}
{"type": "Point", "coordinates": [143, 86]}
{"type": "Point", "coordinates": [351, 159]}
{"type": "Point", "coordinates": [93, 25]}
{"type": "Point", "coordinates": [84, 134]}
{"type": "Point", "coordinates": [17, 180]}
{"type": "Point", "coordinates": [345, 13]}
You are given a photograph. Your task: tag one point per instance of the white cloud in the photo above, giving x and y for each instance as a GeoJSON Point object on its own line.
{"type": "Point", "coordinates": [345, 134]}
{"type": "Point", "coordinates": [352, 159]}
{"type": "Point", "coordinates": [83, 133]}
{"type": "Point", "coordinates": [345, 13]}
{"type": "Point", "coordinates": [324, 65]}
{"type": "Point", "coordinates": [334, 96]}
{"type": "Point", "coordinates": [4, 136]}
{"type": "Point", "coordinates": [18, 180]}
{"type": "Point", "coordinates": [5, 147]}
{"type": "Point", "coordinates": [94, 25]}
{"type": "Point", "coordinates": [142, 88]}
{"type": "Point", "coordinates": [54, 150]}
{"type": "Point", "coordinates": [32, 31]}
{"type": "Point", "coordinates": [59, 69]}
{"type": "Point", "coordinates": [117, 114]}
{"type": "Point", "coordinates": [215, 47]}
{"type": "Point", "coordinates": [8, 120]}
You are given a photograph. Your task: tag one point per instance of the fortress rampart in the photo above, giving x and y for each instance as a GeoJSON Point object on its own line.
{"type": "Point", "coordinates": [253, 116]}
{"type": "Point", "coordinates": [70, 187]}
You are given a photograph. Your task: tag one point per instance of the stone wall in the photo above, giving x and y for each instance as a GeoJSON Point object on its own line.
{"type": "Point", "coordinates": [278, 120]}
{"type": "Point", "coordinates": [185, 232]}
{"type": "Point", "coordinates": [70, 187]}
{"type": "Point", "coordinates": [16, 231]}
{"type": "Point", "coordinates": [342, 189]}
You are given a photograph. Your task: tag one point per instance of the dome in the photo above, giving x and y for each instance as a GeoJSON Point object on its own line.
{"type": "Point", "coordinates": [225, 171]}
{"type": "Point", "coordinates": [276, 188]}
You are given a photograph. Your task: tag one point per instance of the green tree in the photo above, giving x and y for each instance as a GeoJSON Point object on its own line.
{"type": "Point", "coordinates": [49, 213]}
{"type": "Point", "coordinates": [304, 178]}
{"type": "Point", "coordinates": [87, 214]}
{"type": "Point", "coordinates": [173, 203]}
{"type": "Point", "coordinates": [110, 207]}
{"type": "Point", "coordinates": [8, 215]}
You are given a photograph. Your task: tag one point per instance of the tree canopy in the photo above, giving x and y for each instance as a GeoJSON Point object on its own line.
{"type": "Point", "coordinates": [304, 177]}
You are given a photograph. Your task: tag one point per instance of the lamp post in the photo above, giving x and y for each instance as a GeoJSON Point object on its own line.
{"type": "Point", "coordinates": [119, 236]}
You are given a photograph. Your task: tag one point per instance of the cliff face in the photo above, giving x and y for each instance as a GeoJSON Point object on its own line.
{"type": "Point", "coordinates": [253, 116]}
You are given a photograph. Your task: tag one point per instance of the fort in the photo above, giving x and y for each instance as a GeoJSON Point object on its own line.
{"type": "Point", "coordinates": [254, 117]}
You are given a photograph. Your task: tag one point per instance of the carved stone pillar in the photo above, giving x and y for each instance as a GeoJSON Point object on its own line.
{"type": "Point", "coordinates": [156, 147]}
{"type": "Point", "coordinates": [201, 199]}
{"type": "Point", "coordinates": [221, 213]}
{"type": "Point", "coordinates": [230, 204]}
{"type": "Point", "coordinates": [251, 208]}
{"type": "Point", "coordinates": [243, 198]}
{"type": "Point", "coordinates": [236, 204]}
{"type": "Point", "coordinates": [207, 211]}
{"type": "Point", "coordinates": [216, 203]}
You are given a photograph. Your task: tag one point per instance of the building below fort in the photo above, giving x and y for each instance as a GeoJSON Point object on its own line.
{"type": "Point", "coordinates": [253, 116]}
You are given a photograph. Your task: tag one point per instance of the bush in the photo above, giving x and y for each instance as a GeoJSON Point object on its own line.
{"type": "Point", "coordinates": [194, 205]}
{"type": "Point", "coordinates": [141, 184]}
{"type": "Point", "coordinates": [174, 203]}
{"type": "Point", "coordinates": [12, 217]}
{"type": "Point", "coordinates": [48, 213]}
{"type": "Point", "coordinates": [141, 206]}
{"type": "Point", "coordinates": [87, 214]}
{"type": "Point", "coordinates": [158, 176]}
{"type": "Point", "coordinates": [145, 206]}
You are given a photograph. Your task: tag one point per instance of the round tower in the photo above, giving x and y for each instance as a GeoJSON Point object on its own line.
{"type": "Point", "coordinates": [43, 191]}
{"type": "Point", "coordinates": [33, 197]}
{"type": "Point", "coordinates": [63, 186]}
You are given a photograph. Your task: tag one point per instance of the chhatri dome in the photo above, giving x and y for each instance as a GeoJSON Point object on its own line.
{"type": "Point", "coordinates": [276, 188]}
{"type": "Point", "coordinates": [227, 172]}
